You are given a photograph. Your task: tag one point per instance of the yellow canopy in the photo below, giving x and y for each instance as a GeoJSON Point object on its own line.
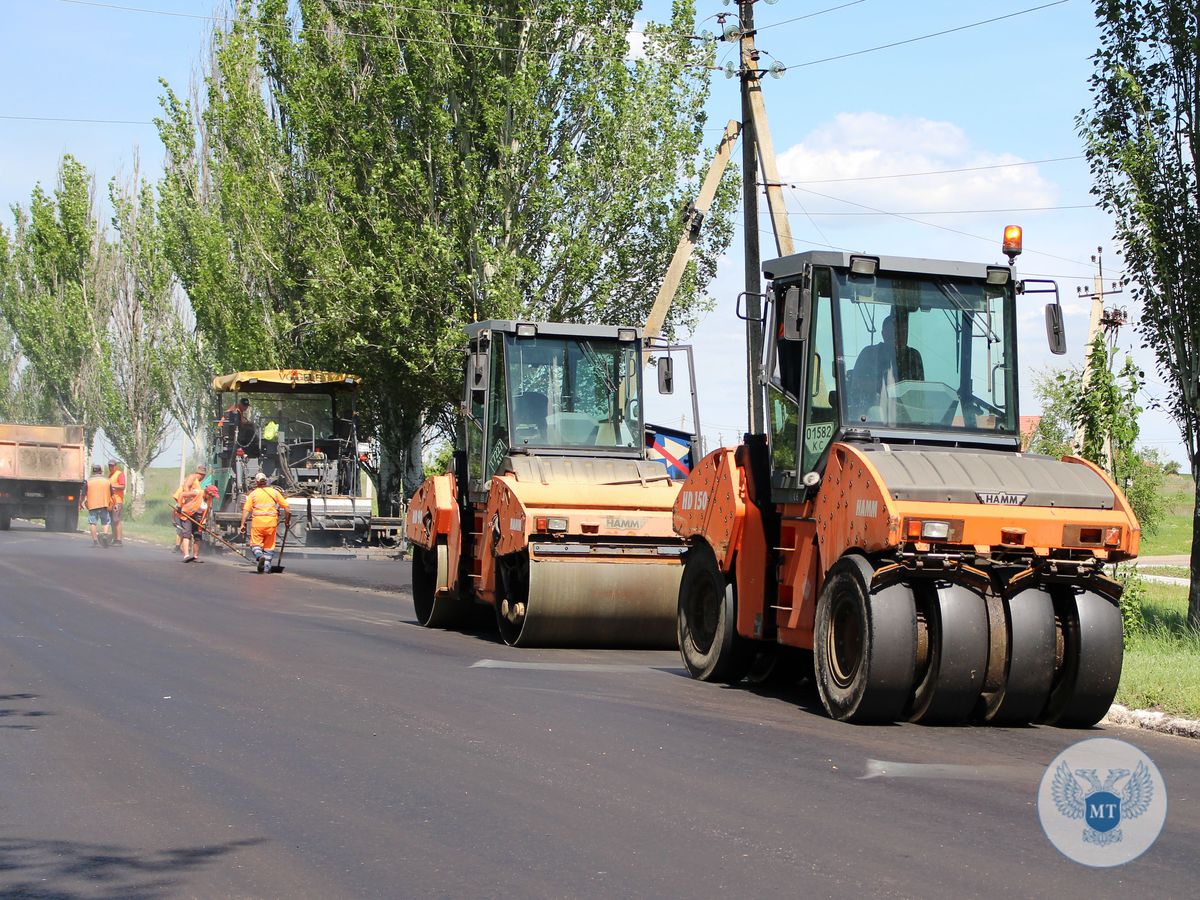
{"type": "Point", "coordinates": [276, 380]}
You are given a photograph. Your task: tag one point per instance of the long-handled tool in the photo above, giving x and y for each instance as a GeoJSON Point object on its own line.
{"type": "Point", "coordinates": [214, 535]}
{"type": "Point", "coordinates": [278, 566]}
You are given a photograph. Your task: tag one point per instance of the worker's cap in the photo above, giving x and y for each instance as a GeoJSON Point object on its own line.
{"type": "Point", "coordinates": [261, 478]}
{"type": "Point", "coordinates": [245, 401]}
{"type": "Point", "coordinates": [113, 462]}
{"type": "Point", "coordinates": [202, 469]}
{"type": "Point", "coordinates": [95, 468]}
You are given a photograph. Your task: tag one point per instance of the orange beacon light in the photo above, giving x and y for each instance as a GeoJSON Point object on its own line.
{"type": "Point", "coordinates": [1012, 242]}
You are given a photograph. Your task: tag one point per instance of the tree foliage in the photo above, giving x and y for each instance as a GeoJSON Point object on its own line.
{"type": "Point", "coordinates": [355, 182]}
{"type": "Point", "coordinates": [1142, 138]}
{"type": "Point", "coordinates": [136, 408]}
{"type": "Point", "coordinates": [55, 296]}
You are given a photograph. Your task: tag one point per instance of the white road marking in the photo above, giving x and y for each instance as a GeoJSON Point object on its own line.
{"type": "Point", "coordinates": [882, 768]}
{"type": "Point", "coordinates": [563, 667]}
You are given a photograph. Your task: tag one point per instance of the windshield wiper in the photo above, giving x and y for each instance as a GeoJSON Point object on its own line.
{"type": "Point", "coordinates": [954, 295]}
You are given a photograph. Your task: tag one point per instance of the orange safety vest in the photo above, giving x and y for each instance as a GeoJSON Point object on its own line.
{"type": "Point", "coordinates": [263, 504]}
{"type": "Point", "coordinates": [116, 483]}
{"type": "Point", "coordinates": [99, 493]}
{"type": "Point", "coordinates": [191, 486]}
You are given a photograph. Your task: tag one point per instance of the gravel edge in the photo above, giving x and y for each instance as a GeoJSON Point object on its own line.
{"type": "Point", "coordinates": [1151, 721]}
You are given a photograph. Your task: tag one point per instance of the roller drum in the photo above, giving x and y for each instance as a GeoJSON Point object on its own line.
{"type": "Point", "coordinates": [599, 604]}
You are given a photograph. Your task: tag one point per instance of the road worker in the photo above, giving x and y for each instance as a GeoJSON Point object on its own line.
{"type": "Point", "coordinates": [96, 499]}
{"type": "Point", "coordinates": [262, 506]}
{"type": "Point", "coordinates": [208, 497]}
{"type": "Point", "coordinates": [116, 481]}
{"type": "Point", "coordinates": [191, 498]}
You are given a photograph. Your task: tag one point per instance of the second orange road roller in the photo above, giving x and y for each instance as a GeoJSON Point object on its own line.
{"type": "Point", "coordinates": [557, 517]}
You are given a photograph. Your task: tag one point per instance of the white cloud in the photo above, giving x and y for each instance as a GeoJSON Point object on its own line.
{"type": "Point", "coordinates": [867, 145]}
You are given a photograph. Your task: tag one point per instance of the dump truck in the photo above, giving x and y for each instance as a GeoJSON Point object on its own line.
{"type": "Point", "coordinates": [887, 521]}
{"type": "Point", "coordinates": [299, 427]}
{"type": "Point", "coordinates": [557, 518]}
{"type": "Point", "coordinates": [41, 474]}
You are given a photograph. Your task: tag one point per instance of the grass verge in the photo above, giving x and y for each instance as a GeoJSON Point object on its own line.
{"type": "Point", "coordinates": [1174, 533]}
{"type": "Point", "coordinates": [1162, 660]}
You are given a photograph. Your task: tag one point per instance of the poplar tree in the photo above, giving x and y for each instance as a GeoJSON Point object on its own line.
{"type": "Point", "coordinates": [1142, 139]}
{"type": "Point", "coordinates": [354, 182]}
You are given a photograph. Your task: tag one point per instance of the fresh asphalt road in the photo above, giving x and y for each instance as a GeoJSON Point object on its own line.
{"type": "Point", "coordinates": [173, 730]}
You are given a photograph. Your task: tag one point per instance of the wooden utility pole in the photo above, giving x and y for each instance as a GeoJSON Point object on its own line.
{"type": "Point", "coordinates": [696, 212]}
{"type": "Point", "coordinates": [754, 333]}
{"type": "Point", "coordinates": [752, 86]}
{"type": "Point", "coordinates": [1098, 320]}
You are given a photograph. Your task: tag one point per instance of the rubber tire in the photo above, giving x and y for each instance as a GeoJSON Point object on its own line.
{"type": "Point", "coordinates": [5, 521]}
{"type": "Point", "coordinates": [1029, 669]}
{"type": "Point", "coordinates": [513, 577]}
{"type": "Point", "coordinates": [874, 683]}
{"type": "Point", "coordinates": [1094, 653]}
{"type": "Point", "coordinates": [958, 656]}
{"type": "Point", "coordinates": [711, 648]}
{"type": "Point", "coordinates": [428, 575]}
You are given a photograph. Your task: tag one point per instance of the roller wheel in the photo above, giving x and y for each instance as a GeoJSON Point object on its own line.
{"type": "Point", "coordinates": [709, 643]}
{"type": "Point", "coordinates": [864, 645]}
{"type": "Point", "coordinates": [953, 675]}
{"type": "Point", "coordinates": [1089, 628]}
{"type": "Point", "coordinates": [434, 605]}
{"type": "Point", "coordinates": [1029, 667]}
{"type": "Point", "coordinates": [513, 606]}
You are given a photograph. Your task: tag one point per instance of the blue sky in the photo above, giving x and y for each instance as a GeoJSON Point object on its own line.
{"type": "Point", "coordinates": [987, 96]}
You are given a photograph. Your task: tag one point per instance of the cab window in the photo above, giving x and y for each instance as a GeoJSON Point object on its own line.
{"type": "Point", "coordinates": [820, 412]}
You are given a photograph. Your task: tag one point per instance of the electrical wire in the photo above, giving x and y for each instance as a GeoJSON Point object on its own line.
{"type": "Point", "coordinates": [1029, 162]}
{"type": "Point", "coordinates": [81, 121]}
{"type": "Point", "coordinates": [924, 37]}
{"type": "Point", "coordinates": [819, 12]}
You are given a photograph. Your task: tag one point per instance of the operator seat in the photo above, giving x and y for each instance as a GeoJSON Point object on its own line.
{"type": "Point", "coordinates": [530, 410]}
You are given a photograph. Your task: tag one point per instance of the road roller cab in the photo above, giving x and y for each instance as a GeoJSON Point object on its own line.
{"type": "Point", "coordinates": [557, 518]}
{"type": "Point", "coordinates": [888, 520]}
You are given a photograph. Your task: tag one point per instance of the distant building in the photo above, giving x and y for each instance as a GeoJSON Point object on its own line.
{"type": "Point", "coordinates": [1028, 425]}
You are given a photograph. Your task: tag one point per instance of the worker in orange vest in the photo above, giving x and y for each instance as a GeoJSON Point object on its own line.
{"type": "Point", "coordinates": [116, 482]}
{"type": "Point", "coordinates": [262, 507]}
{"type": "Point", "coordinates": [191, 498]}
{"type": "Point", "coordinates": [96, 499]}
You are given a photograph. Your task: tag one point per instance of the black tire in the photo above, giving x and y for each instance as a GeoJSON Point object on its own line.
{"type": "Point", "coordinates": [709, 643]}
{"type": "Point", "coordinates": [953, 679]}
{"type": "Point", "coordinates": [5, 521]}
{"type": "Point", "coordinates": [1093, 652]}
{"type": "Point", "coordinates": [864, 645]}
{"type": "Point", "coordinates": [512, 572]}
{"type": "Point", "coordinates": [1029, 668]}
{"type": "Point", "coordinates": [433, 602]}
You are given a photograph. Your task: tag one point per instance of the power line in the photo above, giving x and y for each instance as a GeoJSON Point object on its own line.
{"type": "Point", "coordinates": [925, 37]}
{"type": "Point", "coordinates": [949, 212]}
{"type": "Point", "coordinates": [1030, 162]}
{"type": "Point", "coordinates": [819, 12]}
{"type": "Point", "coordinates": [81, 121]}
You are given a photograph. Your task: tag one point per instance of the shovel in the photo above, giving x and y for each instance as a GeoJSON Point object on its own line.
{"type": "Point", "coordinates": [215, 536]}
{"type": "Point", "coordinates": [277, 567]}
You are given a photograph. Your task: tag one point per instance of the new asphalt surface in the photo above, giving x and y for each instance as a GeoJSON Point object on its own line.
{"type": "Point", "coordinates": [172, 730]}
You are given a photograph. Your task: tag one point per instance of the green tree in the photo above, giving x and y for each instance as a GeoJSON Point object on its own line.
{"type": "Point", "coordinates": [355, 182]}
{"type": "Point", "coordinates": [1107, 412]}
{"type": "Point", "coordinates": [136, 413]}
{"type": "Point", "coordinates": [56, 295]}
{"type": "Point", "coordinates": [1142, 139]}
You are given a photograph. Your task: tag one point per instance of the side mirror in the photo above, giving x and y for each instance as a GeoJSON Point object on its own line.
{"type": "Point", "coordinates": [791, 314]}
{"type": "Point", "coordinates": [479, 371]}
{"type": "Point", "coordinates": [1056, 334]}
{"type": "Point", "coordinates": [666, 375]}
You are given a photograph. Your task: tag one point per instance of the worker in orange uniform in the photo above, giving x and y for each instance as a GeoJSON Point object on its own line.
{"type": "Point", "coordinates": [207, 499]}
{"type": "Point", "coordinates": [96, 499]}
{"type": "Point", "coordinates": [116, 483]}
{"type": "Point", "coordinates": [262, 506]}
{"type": "Point", "coordinates": [191, 498]}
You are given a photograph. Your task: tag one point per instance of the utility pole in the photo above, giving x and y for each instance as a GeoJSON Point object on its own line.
{"type": "Point", "coordinates": [1108, 320]}
{"type": "Point", "coordinates": [748, 75]}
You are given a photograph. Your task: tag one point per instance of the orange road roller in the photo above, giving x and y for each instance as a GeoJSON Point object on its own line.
{"type": "Point", "coordinates": [886, 518]}
{"type": "Point", "coordinates": [558, 513]}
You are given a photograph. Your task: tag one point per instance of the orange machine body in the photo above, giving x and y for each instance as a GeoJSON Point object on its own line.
{"type": "Point", "coordinates": [853, 510]}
